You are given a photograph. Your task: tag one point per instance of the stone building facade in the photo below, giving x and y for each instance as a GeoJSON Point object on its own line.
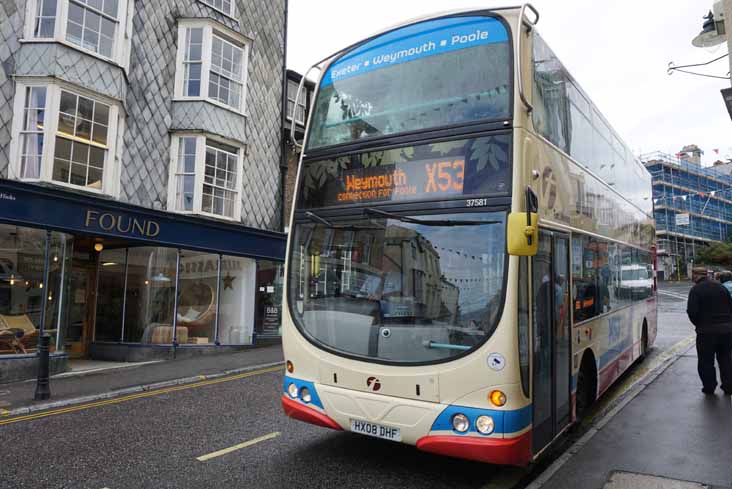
{"type": "Point", "coordinates": [156, 128]}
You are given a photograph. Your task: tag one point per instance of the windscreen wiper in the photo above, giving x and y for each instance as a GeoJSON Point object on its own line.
{"type": "Point", "coordinates": [314, 217]}
{"type": "Point", "coordinates": [317, 218]}
{"type": "Point", "coordinates": [426, 222]}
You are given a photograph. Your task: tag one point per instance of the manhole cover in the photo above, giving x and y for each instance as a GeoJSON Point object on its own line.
{"type": "Point", "coordinates": [630, 480]}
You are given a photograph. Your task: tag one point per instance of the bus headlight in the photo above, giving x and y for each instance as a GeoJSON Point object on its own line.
{"type": "Point", "coordinates": [460, 423]}
{"type": "Point", "coordinates": [498, 398]}
{"type": "Point", "coordinates": [305, 394]}
{"type": "Point", "coordinates": [292, 390]}
{"type": "Point", "coordinates": [485, 425]}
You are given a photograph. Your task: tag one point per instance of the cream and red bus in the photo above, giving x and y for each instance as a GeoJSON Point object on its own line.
{"type": "Point", "coordinates": [459, 247]}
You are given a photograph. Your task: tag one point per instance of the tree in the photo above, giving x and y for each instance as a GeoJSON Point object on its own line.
{"type": "Point", "coordinates": [716, 254]}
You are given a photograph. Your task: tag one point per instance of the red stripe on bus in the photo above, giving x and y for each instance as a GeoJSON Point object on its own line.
{"type": "Point", "coordinates": [297, 410]}
{"type": "Point", "coordinates": [501, 451]}
{"type": "Point", "coordinates": [611, 372]}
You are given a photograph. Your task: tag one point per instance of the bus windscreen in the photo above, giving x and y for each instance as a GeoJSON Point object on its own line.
{"type": "Point", "coordinates": [442, 72]}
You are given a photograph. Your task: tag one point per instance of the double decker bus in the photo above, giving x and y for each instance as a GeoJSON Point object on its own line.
{"type": "Point", "coordinates": [470, 261]}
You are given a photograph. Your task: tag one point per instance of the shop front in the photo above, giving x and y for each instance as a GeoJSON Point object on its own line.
{"type": "Point", "coordinates": [112, 281]}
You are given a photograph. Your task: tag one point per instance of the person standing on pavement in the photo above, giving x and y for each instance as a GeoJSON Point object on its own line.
{"type": "Point", "coordinates": [710, 310]}
{"type": "Point", "coordinates": [726, 279]}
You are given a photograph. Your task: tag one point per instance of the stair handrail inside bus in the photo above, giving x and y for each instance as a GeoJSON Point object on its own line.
{"type": "Point", "coordinates": [529, 25]}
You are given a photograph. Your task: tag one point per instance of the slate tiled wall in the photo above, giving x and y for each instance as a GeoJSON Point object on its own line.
{"type": "Point", "coordinates": [12, 16]}
{"type": "Point", "coordinates": [147, 95]}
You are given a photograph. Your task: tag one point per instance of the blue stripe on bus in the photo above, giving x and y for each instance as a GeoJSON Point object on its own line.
{"type": "Point", "coordinates": [619, 338]}
{"type": "Point", "coordinates": [417, 41]}
{"type": "Point", "coordinates": [505, 421]}
{"type": "Point", "coordinates": [315, 399]}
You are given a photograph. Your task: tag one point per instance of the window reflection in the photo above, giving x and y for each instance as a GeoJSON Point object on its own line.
{"type": "Point", "coordinates": [399, 291]}
{"type": "Point", "coordinates": [607, 276]}
{"type": "Point", "coordinates": [23, 289]}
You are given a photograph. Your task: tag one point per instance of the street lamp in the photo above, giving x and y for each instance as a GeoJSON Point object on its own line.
{"type": "Point", "coordinates": [713, 31]}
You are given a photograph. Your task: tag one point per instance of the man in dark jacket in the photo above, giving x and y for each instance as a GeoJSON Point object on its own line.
{"type": "Point", "coordinates": [710, 310]}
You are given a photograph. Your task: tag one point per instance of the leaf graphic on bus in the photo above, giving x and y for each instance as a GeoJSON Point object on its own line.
{"type": "Point", "coordinates": [486, 151]}
{"type": "Point", "coordinates": [372, 158]}
{"type": "Point", "coordinates": [446, 147]}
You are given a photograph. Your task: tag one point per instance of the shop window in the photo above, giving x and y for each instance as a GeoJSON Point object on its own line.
{"type": "Point", "coordinates": [65, 138]}
{"type": "Point", "coordinates": [94, 26]}
{"type": "Point", "coordinates": [206, 177]}
{"type": "Point", "coordinates": [197, 296]}
{"type": "Point", "coordinates": [150, 296]}
{"type": "Point", "coordinates": [110, 295]}
{"type": "Point", "coordinates": [212, 64]}
{"type": "Point", "coordinates": [23, 288]}
{"type": "Point", "coordinates": [236, 303]}
{"type": "Point", "coordinates": [215, 297]}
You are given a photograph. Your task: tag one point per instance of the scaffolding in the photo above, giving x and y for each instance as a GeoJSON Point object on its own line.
{"type": "Point", "coordinates": [692, 206]}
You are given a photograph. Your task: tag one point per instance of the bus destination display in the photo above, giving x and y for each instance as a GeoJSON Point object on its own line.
{"type": "Point", "coordinates": [413, 180]}
{"type": "Point", "coordinates": [470, 167]}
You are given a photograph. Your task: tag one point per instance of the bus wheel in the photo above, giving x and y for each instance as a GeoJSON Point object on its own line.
{"type": "Point", "coordinates": [586, 386]}
{"type": "Point", "coordinates": [644, 342]}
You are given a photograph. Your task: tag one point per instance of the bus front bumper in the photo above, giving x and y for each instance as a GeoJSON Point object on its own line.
{"type": "Point", "coordinates": [506, 451]}
{"type": "Point", "coordinates": [428, 426]}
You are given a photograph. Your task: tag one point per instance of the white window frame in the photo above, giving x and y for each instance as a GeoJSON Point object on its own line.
{"type": "Point", "coordinates": [209, 3]}
{"type": "Point", "coordinates": [200, 169]}
{"type": "Point", "coordinates": [115, 133]}
{"type": "Point", "coordinates": [300, 103]}
{"type": "Point", "coordinates": [122, 37]}
{"type": "Point", "coordinates": [210, 28]}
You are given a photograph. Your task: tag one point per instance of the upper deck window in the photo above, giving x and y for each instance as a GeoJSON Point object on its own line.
{"type": "Point", "coordinates": [441, 72]}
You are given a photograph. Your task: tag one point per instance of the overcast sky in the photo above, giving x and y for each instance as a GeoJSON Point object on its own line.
{"type": "Point", "coordinates": [618, 52]}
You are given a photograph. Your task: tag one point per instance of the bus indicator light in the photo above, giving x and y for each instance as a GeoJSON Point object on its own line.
{"type": "Point", "coordinates": [290, 367]}
{"type": "Point", "coordinates": [498, 398]}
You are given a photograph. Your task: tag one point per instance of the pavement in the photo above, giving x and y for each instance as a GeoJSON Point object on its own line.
{"type": "Point", "coordinates": [664, 434]}
{"type": "Point", "coordinates": [102, 380]}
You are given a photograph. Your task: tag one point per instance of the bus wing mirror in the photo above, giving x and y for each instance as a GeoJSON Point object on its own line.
{"type": "Point", "coordinates": [522, 239]}
{"type": "Point", "coordinates": [523, 232]}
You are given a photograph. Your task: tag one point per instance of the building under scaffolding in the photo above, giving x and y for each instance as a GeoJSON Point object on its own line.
{"type": "Point", "coordinates": [692, 208]}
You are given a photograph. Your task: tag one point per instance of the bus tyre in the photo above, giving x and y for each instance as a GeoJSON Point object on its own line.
{"type": "Point", "coordinates": [586, 386]}
{"type": "Point", "coordinates": [644, 343]}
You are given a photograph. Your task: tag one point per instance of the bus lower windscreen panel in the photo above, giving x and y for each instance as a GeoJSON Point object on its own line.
{"type": "Point", "coordinates": [407, 292]}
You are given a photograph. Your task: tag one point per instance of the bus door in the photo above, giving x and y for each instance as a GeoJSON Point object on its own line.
{"type": "Point", "coordinates": [551, 338]}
